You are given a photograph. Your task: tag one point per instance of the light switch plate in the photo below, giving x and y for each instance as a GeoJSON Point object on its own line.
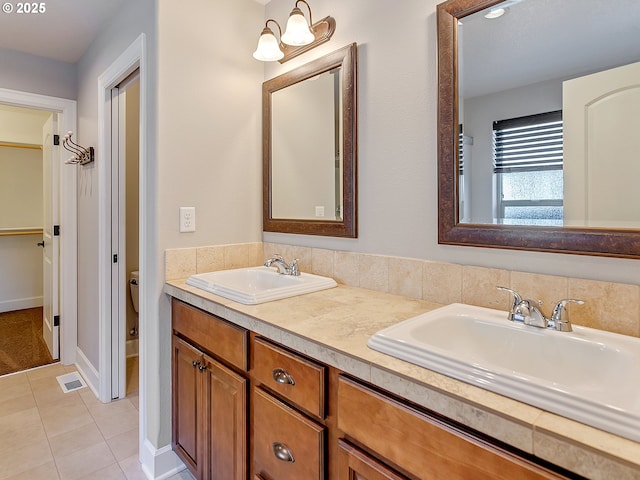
{"type": "Point", "coordinates": [187, 219]}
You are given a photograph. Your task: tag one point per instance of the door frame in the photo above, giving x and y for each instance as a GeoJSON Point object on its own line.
{"type": "Point", "coordinates": [67, 188]}
{"type": "Point", "coordinates": [132, 59]}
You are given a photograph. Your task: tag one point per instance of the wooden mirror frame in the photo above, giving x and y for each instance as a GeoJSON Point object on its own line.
{"type": "Point", "coordinates": [346, 58]}
{"type": "Point", "coordinates": [574, 240]}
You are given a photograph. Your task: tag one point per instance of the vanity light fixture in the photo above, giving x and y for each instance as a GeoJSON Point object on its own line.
{"type": "Point", "coordinates": [299, 36]}
{"type": "Point", "coordinates": [268, 46]}
{"type": "Point", "coordinates": [500, 9]}
{"type": "Point", "coordinates": [495, 13]}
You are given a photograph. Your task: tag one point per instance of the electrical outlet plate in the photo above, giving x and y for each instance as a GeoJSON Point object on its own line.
{"type": "Point", "coordinates": [187, 219]}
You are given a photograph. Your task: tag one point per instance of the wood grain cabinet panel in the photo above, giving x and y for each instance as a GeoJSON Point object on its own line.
{"type": "Point", "coordinates": [210, 400]}
{"type": "Point", "coordinates": [291, 376]}
{"type": "Point", "coordinates": [226, 438]}
{"type": "Point", "coordinates": [287, 445]}
{"type": "Point", "coordinates": [188, 435]}
{"type": "Point", "coordinates": [424, 446]}
{"type": "Point", "coordinates": [209, 415]}
{"type": "Point", "coordinates": [224, 339]}
{"type": "Point", "coordinates": [357, 465]}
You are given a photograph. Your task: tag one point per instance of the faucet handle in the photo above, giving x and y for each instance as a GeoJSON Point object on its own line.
{"type": "Point", "coordinates": [516, 300]}
{"type": "Point", "coordinates": [560, 315]}
{"type": "Point", "coordinates": [295, 268]}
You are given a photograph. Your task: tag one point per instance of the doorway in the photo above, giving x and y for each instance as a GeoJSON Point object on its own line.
{"type": "Point", "coordinates": [59, 190]}
{"type": "Point", "coordinates": [28, 335]}
{"type": "Point", "coordinates": [125, 219]}
{"type": "Point", "coordinates": [113, 291]}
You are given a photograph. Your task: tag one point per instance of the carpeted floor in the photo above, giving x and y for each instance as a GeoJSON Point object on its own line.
{"type": "Point", "coordinates": [21, 342]}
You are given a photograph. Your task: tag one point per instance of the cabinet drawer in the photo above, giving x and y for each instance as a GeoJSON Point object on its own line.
{"type": "Point", "coordinates": [293, 377]}
{"type": "Point", "coordinates": [227, 341]}
{"type": "Point", "coordinates": [286, 444]}
{"type": "Point", "coordinates": [422, 445]}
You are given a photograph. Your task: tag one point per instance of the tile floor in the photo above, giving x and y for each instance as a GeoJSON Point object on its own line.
{"type": "Point", "coordinates": [46, 434]}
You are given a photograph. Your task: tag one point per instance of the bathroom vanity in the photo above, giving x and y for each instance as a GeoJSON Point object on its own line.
{"type": "Point", "coordinates": [289, 389]}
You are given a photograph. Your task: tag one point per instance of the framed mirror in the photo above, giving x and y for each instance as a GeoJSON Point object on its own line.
{"type": "Point", "coordinates": [309, 148]}
{"type": "Point", "coordinates": [498, 77]}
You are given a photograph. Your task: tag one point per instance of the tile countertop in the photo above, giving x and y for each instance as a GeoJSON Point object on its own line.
{"type": "Point", "coordinates": [334, 325]}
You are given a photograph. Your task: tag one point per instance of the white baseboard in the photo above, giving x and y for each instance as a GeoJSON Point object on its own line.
{"type": "Point", "coordinates": [88, 372]}
{"type": "Point", "coordinates": [20, 304]}
{"type": "Point", "coordinates": [161, 463]}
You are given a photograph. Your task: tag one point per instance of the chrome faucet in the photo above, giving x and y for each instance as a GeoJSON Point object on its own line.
{"type": "Point", "coordinates": [283, 267]}
{"type": "Point", "coordinates": [529, 312]}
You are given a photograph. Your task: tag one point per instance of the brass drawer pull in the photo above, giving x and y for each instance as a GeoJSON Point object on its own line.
{"type": "Point", "coordinates": [282, 452]}
{"type": "Point", "coordinates": [282, 376]}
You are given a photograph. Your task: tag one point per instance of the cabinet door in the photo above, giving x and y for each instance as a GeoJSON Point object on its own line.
{"type": "Point", "coordinates": [357, 465]}
{"type": "Point", "coordinates": [226, 397]}
{"type": "Point", "coordinates": [188, 419]}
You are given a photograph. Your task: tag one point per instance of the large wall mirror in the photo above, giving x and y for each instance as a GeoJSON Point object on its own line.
{"type": "Point", "coordinates": [539, 108]}
{"type": "Point", "coordinates": [310, 148]}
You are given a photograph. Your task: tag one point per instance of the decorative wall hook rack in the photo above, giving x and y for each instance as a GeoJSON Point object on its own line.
{"type": "Point", "coordinates": [81, 155]}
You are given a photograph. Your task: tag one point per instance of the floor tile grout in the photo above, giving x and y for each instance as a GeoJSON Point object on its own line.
{"type": "Point", "coordinates": [128, 466]}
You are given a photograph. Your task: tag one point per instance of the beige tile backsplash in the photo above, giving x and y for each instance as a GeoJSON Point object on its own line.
{"type": "Point", "coordinates": [608, 306]}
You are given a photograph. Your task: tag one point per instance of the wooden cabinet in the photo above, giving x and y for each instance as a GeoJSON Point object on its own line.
{"type": "Point", "coordinates": [288, 405]}
{"type": "Point", "coordinates": [187, 406]}
{"type": "Point", "coordinates": [291, 376]}
{"type": "Point", "coordinates": [209, 404]}
{"type": "Point", "coordinates": [287, 445]}
{"type": "Point", "coordinates": [309, 421]}
{"type": "Point", "coordinates": [354, 464]}
{"type": "Point", "coordinates": [422, 444]}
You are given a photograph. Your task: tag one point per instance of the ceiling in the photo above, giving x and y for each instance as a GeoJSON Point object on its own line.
{"type": "Point", "coordinates": [63, 32]}
{"type": "Point", "coordinates": [539, 40]}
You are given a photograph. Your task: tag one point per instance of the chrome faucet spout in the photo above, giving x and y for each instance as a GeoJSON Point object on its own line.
{"type": "Point", "coordinates": [283, 267]}
{"type": "Point", "coordinates": [529, 312]}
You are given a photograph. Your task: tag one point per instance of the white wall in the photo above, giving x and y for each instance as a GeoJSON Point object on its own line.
{"type": "Point", "coordinates": [21, 273]}
{"type": "Point", "coordinates": [20, 188]}
{"type": "Point", "coordinates": [29, 73]}
{"type": "Point", "coordinates": [209, 143]}
{"type": "Point", "coordinates": [132, 19]}
{"type": "Point", "coordinates": [397, 169]}
{"type": "Point", "coordinates": [20, 206]}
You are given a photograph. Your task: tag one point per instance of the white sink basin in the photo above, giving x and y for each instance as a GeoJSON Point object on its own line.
{"type": "Point", "coordinates": [587, 375]}
{"type": "Point", "coordinates": [255, 285]}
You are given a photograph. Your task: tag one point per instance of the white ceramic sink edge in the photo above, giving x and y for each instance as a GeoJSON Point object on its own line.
{"type": "Point", "coordinates": [255, 285]}
{"type": "Point", "coordinates": [591, 378]}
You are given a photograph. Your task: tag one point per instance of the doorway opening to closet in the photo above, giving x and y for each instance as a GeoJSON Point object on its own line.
{"type": "Point", "coordinates": [29, 238]}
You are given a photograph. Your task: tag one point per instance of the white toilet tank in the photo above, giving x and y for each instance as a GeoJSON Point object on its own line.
{"type": "Point", "coordinates": [134, 285]}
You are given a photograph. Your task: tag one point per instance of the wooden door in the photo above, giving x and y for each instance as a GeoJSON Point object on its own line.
{"type": "Point", "coordinates": [226, 400]}
{"type": "Point", "coordinates": [188, 409]}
